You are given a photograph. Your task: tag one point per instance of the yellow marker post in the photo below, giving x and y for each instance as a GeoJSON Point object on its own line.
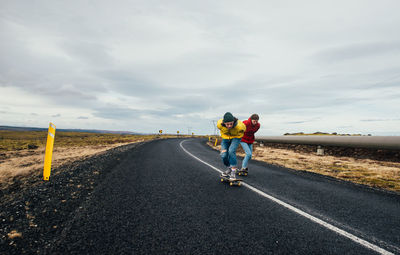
{"type": "Point", "coordinates": [49, 151]}
{"type": "Point", "coordinates": [216, 140]}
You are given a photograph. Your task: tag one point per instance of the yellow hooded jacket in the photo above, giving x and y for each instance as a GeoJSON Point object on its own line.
{"type": "Point", "coordinates": [236, 132]}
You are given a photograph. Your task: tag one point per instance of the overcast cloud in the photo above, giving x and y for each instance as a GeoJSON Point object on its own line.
{"type": "Point", "coordinates": [303, 66]}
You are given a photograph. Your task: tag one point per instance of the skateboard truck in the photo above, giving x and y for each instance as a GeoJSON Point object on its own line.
{"type": "Point", "coordinates": [243, 172]}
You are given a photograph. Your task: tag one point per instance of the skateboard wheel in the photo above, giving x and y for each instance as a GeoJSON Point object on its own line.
{"type": "Point", "coordinates": [231, 183]}
{"type": "Point", "coordinates": [239, 174]}
{"type": "Point", "coordinates": [245, 174]}
{"type": "Point", "coordinates": [222, 180]}
{"type": "Point", "coordinates": [239, 183]}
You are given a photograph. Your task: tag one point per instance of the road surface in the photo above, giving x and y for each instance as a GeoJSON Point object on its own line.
{"type": "Point", "coordinates": [165, 197]}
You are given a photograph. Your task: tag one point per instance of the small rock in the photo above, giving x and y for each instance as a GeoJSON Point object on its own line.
{"type": "Point", "coordinates": [14, 234]}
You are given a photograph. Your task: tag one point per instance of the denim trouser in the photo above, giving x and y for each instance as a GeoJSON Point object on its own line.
{"type": "Point", "coordinates": [228, 151]}
{"type": "Point", "coordinates": [248, 149]}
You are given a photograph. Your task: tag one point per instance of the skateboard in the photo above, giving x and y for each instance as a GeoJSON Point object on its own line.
{"type": "Point", "coordinates": [236, 182]}
{"type": "Point", "coordinates": [243, 172]}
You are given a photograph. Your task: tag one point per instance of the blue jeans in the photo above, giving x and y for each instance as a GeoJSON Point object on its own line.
{"type": "Point", "coordinates": [248, 149]}
{"type": "Point", "coordinates": [228, 151]}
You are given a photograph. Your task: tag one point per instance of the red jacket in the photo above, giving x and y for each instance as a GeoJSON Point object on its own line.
{"type": "Point", "coordinates": [250, 130]}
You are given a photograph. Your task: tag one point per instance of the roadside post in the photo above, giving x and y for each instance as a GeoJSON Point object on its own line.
{"type": "Point", "coordinates": [216, 141]}
{"type": "Point", "coordinates": [49, 151]}
{"type": "Point", "coordinates": [320, 151]}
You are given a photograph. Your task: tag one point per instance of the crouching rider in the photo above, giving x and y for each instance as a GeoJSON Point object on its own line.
{"type": "Point", "coordinates": [232, 131]}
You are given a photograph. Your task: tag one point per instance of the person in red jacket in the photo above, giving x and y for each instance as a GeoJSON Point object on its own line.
{"type": "Point", "coordinates": [247, 141]}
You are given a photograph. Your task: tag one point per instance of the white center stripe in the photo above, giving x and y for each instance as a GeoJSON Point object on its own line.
{"type": "Point", "coordinates": [304, 214]}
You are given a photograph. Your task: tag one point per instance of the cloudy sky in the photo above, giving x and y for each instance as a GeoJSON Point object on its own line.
{"type": "Point", "coordinates": [330, 66]}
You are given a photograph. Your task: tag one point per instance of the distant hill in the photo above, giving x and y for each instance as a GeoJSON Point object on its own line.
{"type": "Point", "coordinates": [10, 128]}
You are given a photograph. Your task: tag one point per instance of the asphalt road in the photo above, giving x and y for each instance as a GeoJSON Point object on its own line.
{"type": "Point", "coordinates": [162, 200]}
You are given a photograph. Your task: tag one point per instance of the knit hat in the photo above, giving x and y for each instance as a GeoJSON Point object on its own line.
{"type": "Point", "coordinates": [228, 117]}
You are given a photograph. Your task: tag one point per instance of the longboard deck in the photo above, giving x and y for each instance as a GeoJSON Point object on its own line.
{"type": "Point", "coordinates": [236, 182]}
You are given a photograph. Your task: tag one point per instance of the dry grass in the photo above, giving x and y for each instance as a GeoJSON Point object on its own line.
{"type": "Point", "coordinates": [374, 173]}
{"type": "Point", "coordinates": [18, 161]}
{"type": "Point", "coordinates": [25, 162]}
{"type": "Point", "coordinates": [22, 140]}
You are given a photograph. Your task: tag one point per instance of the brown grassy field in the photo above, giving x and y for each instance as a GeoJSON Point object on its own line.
{"type": "Point", "coordinates": [21, 140]}
{"type": "Point", "coordinates": [373, 173]}
{"type": "Point", "coordinates": [22, 152]}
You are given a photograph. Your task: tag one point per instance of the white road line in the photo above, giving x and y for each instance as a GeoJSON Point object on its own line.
{"type": "Point", "coordinates": [304, 214]}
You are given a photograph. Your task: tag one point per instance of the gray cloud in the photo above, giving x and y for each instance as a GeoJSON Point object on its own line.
{"type": "Point", "coordinates": [379, 120]}
{"type": "Point", "coordinates": [122, 113]}
{"type": "Point", "coordinates": [389, 81]}
{"type": "Point", "coordinates": [358, 50]}
{"type": "Point", "coordinates": [129, 83]}
{"type": "Point", "coordinates": [91, 53]}
{"type": "Point", "coordinates": [187, 103]}
{"type": "Point", "coordinates": [295, 122]}
{"type": "Point", "coordinates": [177, 64]}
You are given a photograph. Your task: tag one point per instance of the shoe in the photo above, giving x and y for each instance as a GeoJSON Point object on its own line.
{"type": "Point", "coordinates": [227, 172]}
{"type": "Point", "coordinates": [232, 176]}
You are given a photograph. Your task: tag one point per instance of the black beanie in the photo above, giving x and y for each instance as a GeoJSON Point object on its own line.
{"type": "Point", "coordinates": [228, 117]}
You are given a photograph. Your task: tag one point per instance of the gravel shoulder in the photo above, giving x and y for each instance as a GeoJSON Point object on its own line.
{"type": "Point", "coordinates": [34, 212]}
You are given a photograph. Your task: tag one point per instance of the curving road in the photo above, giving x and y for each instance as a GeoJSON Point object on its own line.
{"type": "Point", "coordinates": [165, 198]}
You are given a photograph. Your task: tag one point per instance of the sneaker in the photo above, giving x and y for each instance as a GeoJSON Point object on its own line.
{"type": "Point", "coordinates": [227, 172]}
{"type": "Point", "coordinates": [232, 176]}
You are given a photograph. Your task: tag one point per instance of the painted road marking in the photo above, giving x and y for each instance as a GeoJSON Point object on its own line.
{"type": "Point", "coordinates": [304, 214]}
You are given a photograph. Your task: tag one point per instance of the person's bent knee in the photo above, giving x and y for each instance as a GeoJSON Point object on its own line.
{"type": "Point", "coordinates": [232, 151]}
{"type": "Point", "coordinates": [223, 153]}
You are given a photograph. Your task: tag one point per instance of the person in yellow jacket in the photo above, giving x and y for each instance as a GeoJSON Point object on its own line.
{"type": "Point", "coordinates": [232, 131]}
